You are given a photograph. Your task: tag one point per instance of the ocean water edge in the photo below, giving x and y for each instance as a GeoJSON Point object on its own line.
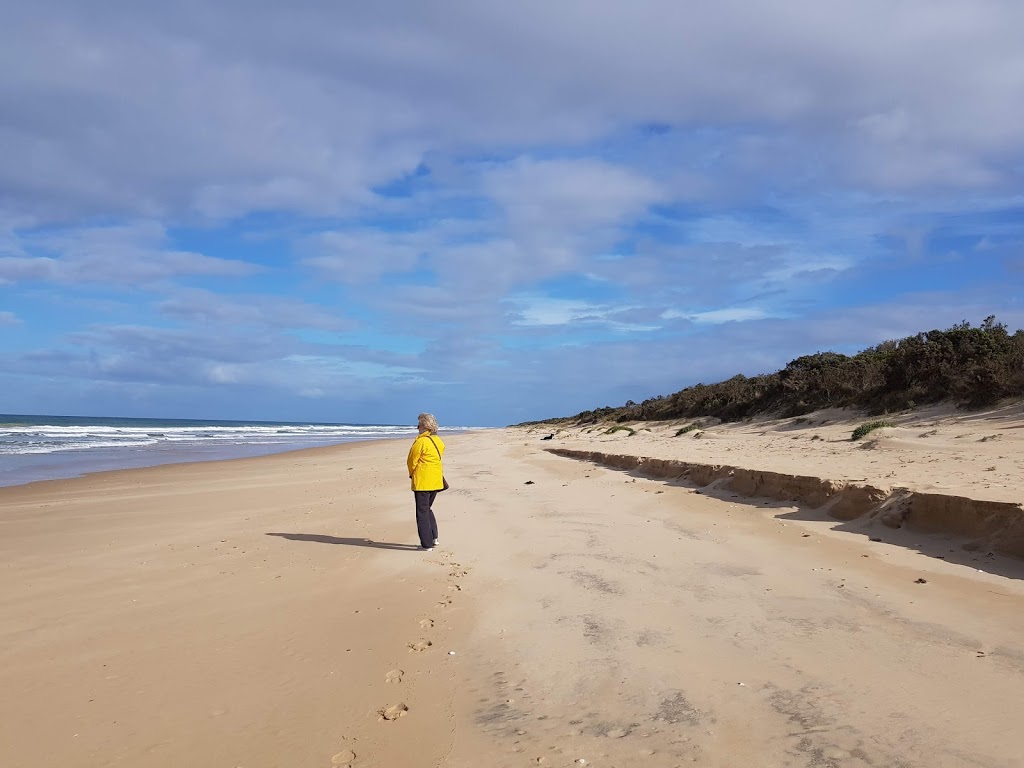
{"type": "Point", "coordinates": [58, 447]}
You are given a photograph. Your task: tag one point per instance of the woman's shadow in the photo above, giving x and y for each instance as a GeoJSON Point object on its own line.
{"type": "Point", "coordinates": [321, 539]}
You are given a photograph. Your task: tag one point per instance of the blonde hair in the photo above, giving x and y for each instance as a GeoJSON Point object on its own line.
{"type": "Point", "coordinates": [427, 420]}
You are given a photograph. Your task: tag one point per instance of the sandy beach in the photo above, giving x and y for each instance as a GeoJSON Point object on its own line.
{"type": "Point", "coordinates": [580, 609]}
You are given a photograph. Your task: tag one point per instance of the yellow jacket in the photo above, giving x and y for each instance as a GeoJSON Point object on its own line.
{"type": "Point", "coordinates": [425, 463]}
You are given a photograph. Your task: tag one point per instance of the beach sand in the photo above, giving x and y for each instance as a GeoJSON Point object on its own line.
{"type": "Point", "coordinates": [256, 612]}
{"type": "Point", "coordinates": [274, 611]}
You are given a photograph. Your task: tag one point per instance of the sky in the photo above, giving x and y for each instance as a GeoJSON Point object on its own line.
{"type": "Point", "coordinates": [496, 212]}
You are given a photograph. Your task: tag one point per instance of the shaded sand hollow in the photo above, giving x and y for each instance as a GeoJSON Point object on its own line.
{"type": "Point", "coordinates": [273, 612]}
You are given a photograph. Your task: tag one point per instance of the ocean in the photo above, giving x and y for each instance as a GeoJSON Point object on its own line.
{"type": "Point", "coordinates": [51, 447]}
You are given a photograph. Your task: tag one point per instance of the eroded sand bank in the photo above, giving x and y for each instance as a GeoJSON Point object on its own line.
{"type": "Point", "coordinates": [933, 471]}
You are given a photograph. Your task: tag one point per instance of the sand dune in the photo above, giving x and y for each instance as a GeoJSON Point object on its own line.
{"type": "Point", "coordinates": [979, 455]}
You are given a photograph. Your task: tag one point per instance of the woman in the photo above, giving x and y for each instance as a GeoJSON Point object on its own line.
{"type": "Point", "coordinates": [427, 477]}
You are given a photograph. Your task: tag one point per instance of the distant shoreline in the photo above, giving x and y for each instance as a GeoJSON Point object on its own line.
{"type": "Point", "coordinates": [16, 470]}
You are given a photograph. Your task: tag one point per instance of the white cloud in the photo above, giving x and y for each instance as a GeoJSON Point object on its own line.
{"type": "Point", "coordinates": [559, 212]}
{"type": "Point", "coordinates": [730, 315]}
{"type": "Point", "coordinates": [717, 316]}
{"type": "Point", "coordinates": [15, 269]}
{"type": "Point", "coordinates": [546, 219]}
{"type": "Point", "coordinates": [237, 107]}
{"type": "Point", "coordinates": [542, 311]}
{"type": "Point", "coordinates": [202, 357]}
{"type": "Point", "coordinates": [9, 318]}
{"type": "Point", "coordinates": [363, 256]}
{"type": "Point", "coordinates": [892, 125]}
{"type": "Point", "coordinates": [135, 253]}
{"type": "Point", "coordinates": [801, 265]}
{"type": "Point", "coordinates": [557, 196]}
{"type": "Point", "coordinates": [217, 312]}
{"type": "Point", "coordinates": [225, 374]}
{"type": "Point", "coordinates": [534, 311]}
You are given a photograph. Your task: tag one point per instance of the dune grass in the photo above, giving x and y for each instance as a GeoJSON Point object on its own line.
{"type": "Point", "coordinates": [688, 428]}
{"type": "Point", "coordinates": [621, 428]}
{"type": "Point", "coordinates": [870, 426]}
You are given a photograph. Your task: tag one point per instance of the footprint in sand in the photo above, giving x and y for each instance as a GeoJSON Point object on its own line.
{"type": "Point", "coordinates": [455, 587]}
{"type": "Point", "coordinates": [392, 711]}
{"type": "Point", "coordinates": [394, 676]}
{"type": "Point", "coordinates": [426, 623]}
{"type": "Point", "coordinates": [347, 757]}
{"type": "Point", "coordinates": [421, 646]}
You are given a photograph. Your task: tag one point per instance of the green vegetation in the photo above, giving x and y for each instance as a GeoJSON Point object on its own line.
{"type": "Point", "coordinates": [688, 428]}
{"type": "Point", "coordinates": [621, 428]}
{"type": "Point", "coordinates": [871, 426]}
{"type": "Point", "coordinates": [971, 366]}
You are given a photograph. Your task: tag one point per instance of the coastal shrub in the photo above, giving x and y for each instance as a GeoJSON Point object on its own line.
{"type": "Point", "coordinates": [870, 426]}
{"type": "Point", "coordinates": [970, 366]}
{"type": "Point", "coordinates": [621, 428]}
{"type": "Point", "coordinates": [687, 428]}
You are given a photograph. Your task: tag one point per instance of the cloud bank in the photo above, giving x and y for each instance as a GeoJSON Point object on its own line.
{"type": "Point", "coordinates": [346, 213]}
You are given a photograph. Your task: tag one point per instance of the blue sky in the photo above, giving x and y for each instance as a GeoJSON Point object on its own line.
{"type": "Point", "coordinates": [495, 212]}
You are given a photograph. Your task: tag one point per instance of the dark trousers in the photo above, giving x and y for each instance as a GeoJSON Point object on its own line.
{"type": "Point", "coordinates": [426, 523]}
